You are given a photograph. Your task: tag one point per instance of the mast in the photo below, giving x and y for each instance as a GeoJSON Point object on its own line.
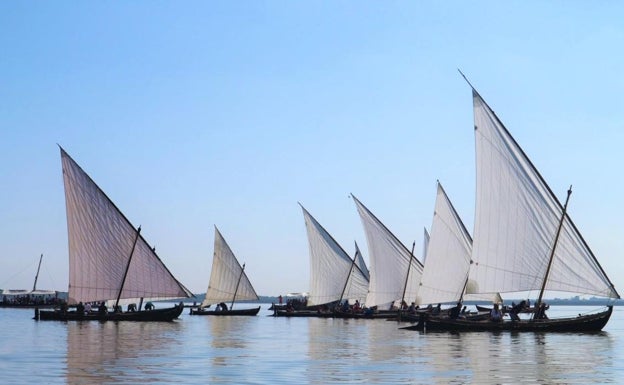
{"type": "Point", "coordinates": [348, 276]}
{"type": "Point", "coordinates": [128, 268]}
{"type": "Point", "coordinates": [552, 252]}
{"type": "Point", "coordinates": [237, 284]}
{"type": "Point", "coordinates": [37, 275]}
{"type": "Point", "coordinates": [408, 273]}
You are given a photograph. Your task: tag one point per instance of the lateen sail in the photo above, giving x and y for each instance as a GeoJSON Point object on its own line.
{"type": "Point", "coordinates": [516, 220]}
{"type": "Point", "coordinates": [359, 261]}
{"type": "Point", "coordinates": [448, 255]}
{"type": "Point", "coordinates": [333, 275]}
{"type": "Point", "coordinates": [227, 276]}
{"type": "Point", "coordinates": [100, 244]}
{"type": "Point", "coordinates": [389, 261]}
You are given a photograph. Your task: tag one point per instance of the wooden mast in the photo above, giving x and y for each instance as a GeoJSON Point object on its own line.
{"type": "Point", "coordinates": [237, 284]}
{"type": "Point", "coordinates": [127, 268]}
{"type": "Point", "coordinates": [552, 252]}
{"type": "Point", "coordinates": [348, 276]}
{"type": "Point", "coordinates": [37, 275]}
{"type": "Point", "coordinates": [408, 273]}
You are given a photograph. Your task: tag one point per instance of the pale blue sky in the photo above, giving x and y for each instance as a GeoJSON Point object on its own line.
{"type": "Point", "coordinates": [194, 114]}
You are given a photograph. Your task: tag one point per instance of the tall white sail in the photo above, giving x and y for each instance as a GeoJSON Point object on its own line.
{"type": "Point", "coordinates": [228, 281]}
{"type": "Point", "coordinates": [333, 275]}
{"type": "Point", "coordinates": [394, 270]}
{"type": "Point", "coordinates": [516, 220]}
{"type": "Point", "coordinates": [448, 255]}
{"type": "Point", "coordinates": [101, 243]}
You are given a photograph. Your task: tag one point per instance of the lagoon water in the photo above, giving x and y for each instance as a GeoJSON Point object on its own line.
{"type": "Point", "coordinates": [268, 350]}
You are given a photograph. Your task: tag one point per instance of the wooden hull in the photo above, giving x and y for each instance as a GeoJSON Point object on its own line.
{"type": "Point", "coordinates": [507, 309]}
{"type": "Point", "coordinates": [335, 314]}
{"type": "Point", "coordinates": [237, 312]}
{"type": "Point", "coordinates": [161, 315]}
{"type": "Point", "coordinates": [582, 323]}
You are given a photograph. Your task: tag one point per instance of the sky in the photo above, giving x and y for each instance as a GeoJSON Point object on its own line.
{"type": "Point", "coordinates": [196, 114]}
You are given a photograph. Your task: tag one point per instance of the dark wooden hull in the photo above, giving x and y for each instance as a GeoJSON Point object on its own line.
{"type": "Point", "coordinates": [582, 323]}
{"type": "Point", "coordinates": [160, 315]}
{"type": "Point", "coordinates": [507, 309]}
{"type": "Point", "coordinates": [302, 313]}
{"type": "Point", "coordinates": [334, 314]}
{"type": "Point", "coordinates": [222, 313]}
{"type": "Point", "coordinates": [26, 305]}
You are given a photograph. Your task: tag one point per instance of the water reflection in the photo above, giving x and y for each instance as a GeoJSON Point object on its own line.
{"type": "Point", "coordinates": [509, 358]}
{"type": "Point", "coordinates": [267, 350]}
{"type": "Point", "coordinates": [118, 352]}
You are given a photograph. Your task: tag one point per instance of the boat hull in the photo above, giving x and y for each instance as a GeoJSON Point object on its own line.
{"type": "Point", "coordinates": [335, 314]}
{"type": "Point", "coordinates": [582, 323]}
{"type": "Point", "coordinates": [221, 313]}
{"type": "Point", "coordinates": [161, 315]}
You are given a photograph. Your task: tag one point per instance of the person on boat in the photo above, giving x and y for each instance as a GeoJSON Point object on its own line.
{"type": "Point", "coordinates": [280, 299]}
{"type": "Point", "coordinates": [131, 307]}
{"type": "Point", "coordinates": [403, 305]}
{"type": "Point", "coordinates": [357, 307]}
{"type": "Point", "coordinates": [437, 309]}
{"type": "Point", "coordinates": [455, 312]}
{"type": "Point", "coordinates": [80, 308]}
{"type": "Point", "coordinates": [540, 313]}
{"type": "Point", "coordinates": [495, 314]}
{"type": "Point", "coordinates": [102, 310]}
{"type": "Point", "coordinates": [149, 305]}
{"type": "Point", "coordinates": [517, 309]}
{"type": "Point", "coordinates": [223, 306]}
{"type": "Point", "coordinates": [412, 308]}
{"type": "Point", "coordinates": [87, 308]}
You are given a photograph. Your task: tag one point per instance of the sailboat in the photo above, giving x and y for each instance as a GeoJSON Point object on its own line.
{"type": "Point", "coordinates": [395, 272]}
{"type": "Point", "coordinates": [445, 271]}
{"type": "Point", "coordinates": [30, 298]}
{"type": "Point", "coordinates": [524, 238]}
{"type": "Point", "coordinates": [334, 276]}
{"type": "Point", "coordinates": [109, 260]}
{"type": "Point", "coordinates": [228, 283]}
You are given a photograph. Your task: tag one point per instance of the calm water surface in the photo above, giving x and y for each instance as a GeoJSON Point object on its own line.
{"type": "Point", "coordinates": [267, 350]}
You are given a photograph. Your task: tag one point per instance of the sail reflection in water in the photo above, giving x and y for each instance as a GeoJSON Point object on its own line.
{"type": "Point", "coordinates": [105, 352]}
{"type": "Point", "coordinates": [502, 357]}
{"type": "Point", "coordinates": [276, 350]}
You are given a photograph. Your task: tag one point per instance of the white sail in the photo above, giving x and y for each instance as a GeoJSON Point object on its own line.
{"type": "Point", "coordinates": [426, 239]}
{"type": "Point", "coordinates": [359, 261]}
{"type": "Point", "coordinates": [333, 275]}
{"type": "Point", "coordinates": [228, 281]}
{"type": "Point", "coordinates": [516, 221]}
{"type": "Point", "coordinates": [448, 255]}
{"type": "Point", "coordinates": [394, 270]}
{"type": "Point", "coordinates": [101, 243]}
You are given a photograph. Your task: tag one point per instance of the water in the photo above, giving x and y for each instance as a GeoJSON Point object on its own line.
{"type": "Point", "coordinates": [267, 350]}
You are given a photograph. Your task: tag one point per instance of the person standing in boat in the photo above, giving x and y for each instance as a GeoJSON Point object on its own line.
{"type": "Point", "coordinates": [495, 314]}
{"type": "Point", "coordinates": [454, 312]}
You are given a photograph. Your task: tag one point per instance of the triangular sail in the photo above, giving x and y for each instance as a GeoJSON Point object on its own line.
{"type": "Point", "coordinates": [448, 256]}
{"type": "Point", "coordinates": [389, 262]}
{"type": "Point", "coordinates": [359, 262]}
{"type": "Point", "coordinates": [516, 219]}
{"type": "Point", "coordinates": [333, 274]}
{"type": "Point", "coordinates": [100, 243]}
{"type": "Point", "coordinates": [227, 276]}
